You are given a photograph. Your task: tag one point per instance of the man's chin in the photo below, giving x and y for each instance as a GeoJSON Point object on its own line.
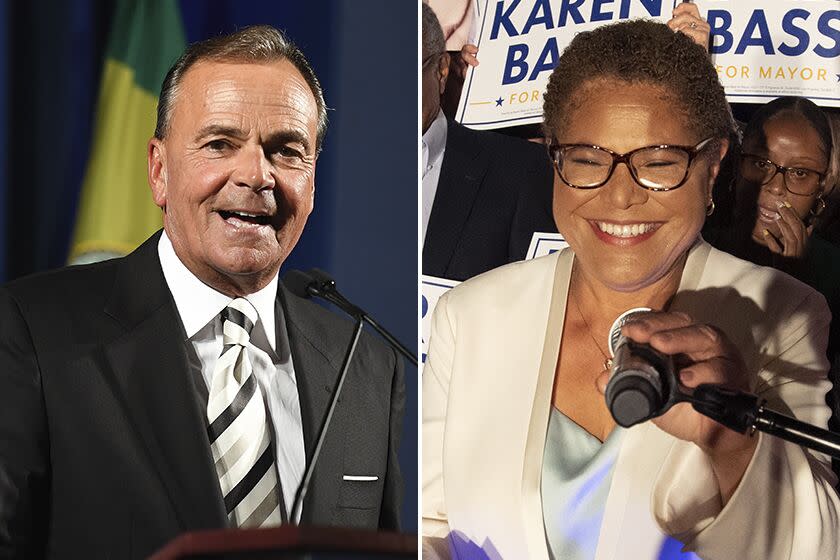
{"type": "Point", "coordinates": [242, 263]}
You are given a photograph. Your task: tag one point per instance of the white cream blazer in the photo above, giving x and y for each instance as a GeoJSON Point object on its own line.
{"type": "Point", "coordinates": [487, 384]}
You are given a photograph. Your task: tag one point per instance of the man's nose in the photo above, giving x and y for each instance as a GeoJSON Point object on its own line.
{"type": "Point", "coordinates": [253, 169]}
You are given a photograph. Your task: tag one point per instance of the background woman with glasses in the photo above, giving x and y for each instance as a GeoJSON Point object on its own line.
{"type": "Point", "coordinates": [521, 456]}
{"type": "Point", "coordinates": [783, 185]}
{"type": "Point", "coordinates": [782, 182]}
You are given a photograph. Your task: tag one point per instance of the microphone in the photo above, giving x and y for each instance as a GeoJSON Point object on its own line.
{"type": "Point", "coordinates": [306, 285]}
{"type": "Point", "coordinates": [318, 283]}
{"type": "Point", "coordinates": [643, 382]}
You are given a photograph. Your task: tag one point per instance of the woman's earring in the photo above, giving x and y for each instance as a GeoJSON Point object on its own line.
{"type": "Point", "coordinates": [710, 208]}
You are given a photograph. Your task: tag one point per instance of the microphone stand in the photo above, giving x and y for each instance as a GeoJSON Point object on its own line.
{"type": "Point", "coordinates": [744, 412]}
{"type": "Point", "coordinates": [297, 506]}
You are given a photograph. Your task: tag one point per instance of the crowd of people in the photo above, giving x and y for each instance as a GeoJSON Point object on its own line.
{"type": "Point", "coordinates": [727, 231]}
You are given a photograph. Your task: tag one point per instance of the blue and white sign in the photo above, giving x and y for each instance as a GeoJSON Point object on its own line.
{"type": "Point", "coordinates": [764, 50]}
{"type": "Point", "coordinates": [433, 288]}
{"type": "Point", "coordinates": [543, 244]}
{"type": "Point", "coordinates": [761, 50]}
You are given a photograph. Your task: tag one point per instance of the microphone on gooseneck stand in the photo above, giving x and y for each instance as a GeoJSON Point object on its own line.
{"type": "Point", "coordinates": [326, 286]}
{"type": "Point", "coordinates": [644, 384]}
{"type": "Point", "coordinates": [317, 283]}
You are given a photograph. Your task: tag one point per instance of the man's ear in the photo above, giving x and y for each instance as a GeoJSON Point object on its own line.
{"type": "Point", "coordinates": [156, 160]}
{"type": "Point", "coordinates": [443, 71]}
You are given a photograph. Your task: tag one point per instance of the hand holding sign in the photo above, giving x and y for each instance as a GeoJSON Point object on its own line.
{"type": "Point", "coordinates": [687, 20]}
{"type": "Point", "coordinates": [469, 57]}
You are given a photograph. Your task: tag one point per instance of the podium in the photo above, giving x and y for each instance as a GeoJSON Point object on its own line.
{"type": "Point", "coordinates": [290, 542]}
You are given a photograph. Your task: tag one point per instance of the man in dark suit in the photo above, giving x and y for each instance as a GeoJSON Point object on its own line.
{"type": "Point", "coordinates": [484, 194]}
{"type": "Point", "coordinates": [181, 387]}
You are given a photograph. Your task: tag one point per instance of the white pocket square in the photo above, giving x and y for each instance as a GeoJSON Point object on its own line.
{"type": "Point", "coordinates": [360, 478]}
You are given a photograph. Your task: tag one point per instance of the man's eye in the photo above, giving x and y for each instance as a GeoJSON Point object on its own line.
{"type": "Point", "coordinates": [217, 145]}
{"type": "Point", "coordinates": [289, 152]}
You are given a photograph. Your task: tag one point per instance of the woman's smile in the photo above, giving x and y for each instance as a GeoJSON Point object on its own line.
{"type": "Point", "coordinates": [622, 233]}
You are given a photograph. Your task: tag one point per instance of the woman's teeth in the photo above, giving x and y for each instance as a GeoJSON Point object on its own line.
{"type": "Point", "coordinates": [626, 230]}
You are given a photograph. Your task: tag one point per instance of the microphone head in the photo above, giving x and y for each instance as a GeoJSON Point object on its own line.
{"type": "Point", "coordinates": [320, 275]}
{"type": "Point", "coordinates": [324, 280]}
{"type": "Point", "coordinates": [634, 392]}
{"type": "Point", "coordinates": [299, 282]}
{"type": "Point", "coordinates": [634, 396]}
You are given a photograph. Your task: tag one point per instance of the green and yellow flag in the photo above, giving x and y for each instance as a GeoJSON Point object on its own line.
{"type": "Point", "coordinates": [116, 212]}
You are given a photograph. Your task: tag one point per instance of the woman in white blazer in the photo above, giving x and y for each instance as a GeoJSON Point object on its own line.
{"type": "Point", "coordinates": [521, 457]}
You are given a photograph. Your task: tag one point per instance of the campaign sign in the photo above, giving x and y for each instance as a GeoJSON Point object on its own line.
{"type": "Point", "coordinates": [543, 244]}
{"type": "Point", "coordinates": [761, 50]}
{"type": "Point", "coordinates": [764, 50]}
{"type": "Point", "coordinates": [519, 43]}
{"type": "Point", "coordinates": [433, 288]}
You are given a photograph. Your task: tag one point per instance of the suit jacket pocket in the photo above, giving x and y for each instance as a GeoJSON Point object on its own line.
{"type": "Point", "coordinates": [360, 491]}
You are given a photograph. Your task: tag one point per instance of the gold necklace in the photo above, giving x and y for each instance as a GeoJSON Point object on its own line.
{"type": "Point", "coordinates": [608, 362]}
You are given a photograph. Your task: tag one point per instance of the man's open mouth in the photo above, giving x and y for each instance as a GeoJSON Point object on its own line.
{"type": "Point", "coordinates": [258, 219]}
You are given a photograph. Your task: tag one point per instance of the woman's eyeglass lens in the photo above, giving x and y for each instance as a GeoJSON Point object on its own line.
{"type": "Point", "coordinates": [656, 168]}
{"type": "Point", "coordinates": [797, 180]}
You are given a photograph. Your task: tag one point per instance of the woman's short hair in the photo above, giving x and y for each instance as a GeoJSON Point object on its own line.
{"type": "Point", "coordinates": [643, 52]}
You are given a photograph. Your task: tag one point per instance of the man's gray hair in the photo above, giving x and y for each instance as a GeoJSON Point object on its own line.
{"type": "Point", "coordinates": [433, 41]}
{"type": "Point", "coordinates": [256, 44]}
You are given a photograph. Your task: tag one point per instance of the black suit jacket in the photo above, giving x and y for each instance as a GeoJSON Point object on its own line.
{"type": "Point", "coordinates": [494, 192]}
{"type": "Point", "coordinates": [103, 443]}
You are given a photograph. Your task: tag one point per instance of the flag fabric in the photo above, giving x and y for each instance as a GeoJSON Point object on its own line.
{"type": "Point", "coordinates": [116, 212]}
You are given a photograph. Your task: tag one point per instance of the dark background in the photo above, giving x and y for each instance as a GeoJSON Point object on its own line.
{"type": "Point", "coordinates": [364, 227]}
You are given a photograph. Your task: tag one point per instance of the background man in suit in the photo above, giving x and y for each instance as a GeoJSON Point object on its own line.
{"type": "Point", "coordinates": [181, 387]}
{"type": "Point", "coordinates": [484, 194]}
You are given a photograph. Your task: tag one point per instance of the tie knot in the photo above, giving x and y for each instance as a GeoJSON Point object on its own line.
{"type": "Point", "coordinates": [238, 319]}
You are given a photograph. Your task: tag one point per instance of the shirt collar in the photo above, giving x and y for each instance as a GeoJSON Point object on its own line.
{"type": "Point", "coordinates": [198, 303]}
{"type": "Point", "coordinates": [435, 137]}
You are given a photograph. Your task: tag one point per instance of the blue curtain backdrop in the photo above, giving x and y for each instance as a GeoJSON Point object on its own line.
{"type": "Point", "coordinates": [4, 126]}
{"type": "Point", "coordinates": [364, 227]}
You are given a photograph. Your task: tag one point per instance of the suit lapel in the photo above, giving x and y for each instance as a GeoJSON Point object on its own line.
{"type": "Point", "coordinates": [150, 369]}
{"type": "Point", "coordinates": [316, 355]}
{"type": "Point", "coordinates": [541, 408]}
{"type": "Point", "coordinates": [462, 172]}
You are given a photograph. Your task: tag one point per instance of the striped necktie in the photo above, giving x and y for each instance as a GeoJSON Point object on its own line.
{"type": "Point", "coordinates": [239, 431]}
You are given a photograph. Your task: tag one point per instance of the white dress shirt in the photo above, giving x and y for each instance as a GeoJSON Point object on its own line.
{"type": "Point", "coordinates": [199, 307]}
{"type": "Point", "coordinates": [434, 145]}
